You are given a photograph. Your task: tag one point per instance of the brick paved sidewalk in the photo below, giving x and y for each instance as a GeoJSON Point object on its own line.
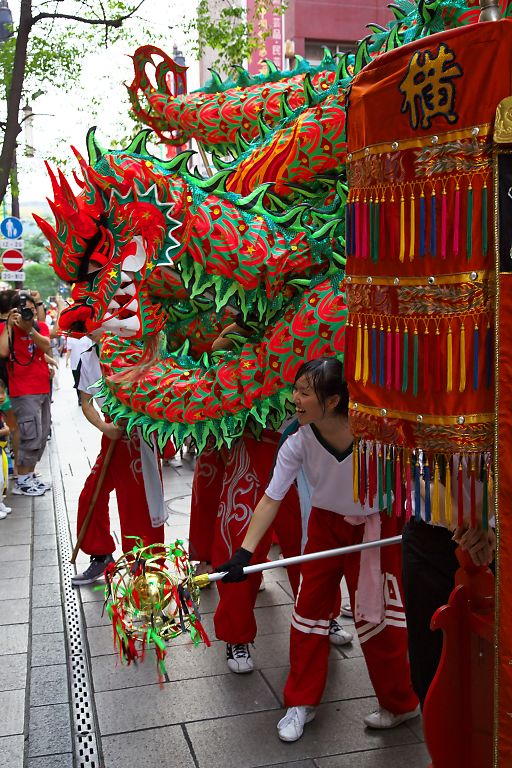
{"type": "Point", "coordinates": [204, 717]}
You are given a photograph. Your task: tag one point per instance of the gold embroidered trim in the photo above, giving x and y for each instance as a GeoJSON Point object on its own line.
{"type": "Point", "coordinates": [423, 418]}
{"type": "Point", "coordinates": [475, 276]}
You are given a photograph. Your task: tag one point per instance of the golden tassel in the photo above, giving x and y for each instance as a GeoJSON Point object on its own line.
{"type": "Point", "coordinates": [448, 494]}
{"type": "Point", "coordinates": [413, 227]}
{"type": "Point", "coordinates": [435, 498]}
{"type": "Point", "coordinates": [462, 379]}
{"type": "Point", "coordinates": [355, 471]}
{"type": "Point", "coordinates": [449, 360]}
{"type": "Point", "coordinates": [357, 374]}
{"type": "Point", "coordinates": [366, 356]}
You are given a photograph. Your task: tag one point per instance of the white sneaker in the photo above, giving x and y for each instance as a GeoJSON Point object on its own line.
{"type": "Point", "coordinates": [27, 488]}
{"type": "Point", "coordinates": [291, 726]}
{"type": "Point", "coordinates": [3, 508]}
{"type": "Point", "coordinates": [3, 515]}
{"type": "Point", "coordinates": [382, 719]}
{"type": "Point", "coordinates": [238, 658]}
{"type": "Point", "coordinates": [346, 610]}
{"type": "Point", "coordinates": [338, 635]}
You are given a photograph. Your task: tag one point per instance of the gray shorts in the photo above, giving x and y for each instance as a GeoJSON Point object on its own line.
{"type": "Point", "coordinates": [33, 416]}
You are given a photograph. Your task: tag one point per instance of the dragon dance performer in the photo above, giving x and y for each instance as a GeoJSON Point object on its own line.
{"type": "Point", "coordinates": [132, 472]}
{"type": "Point", "coordinates": [323, 445]}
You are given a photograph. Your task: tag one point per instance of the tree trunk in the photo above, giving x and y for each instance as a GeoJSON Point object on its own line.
{"type": "Point", "coordinates": [12, 126]}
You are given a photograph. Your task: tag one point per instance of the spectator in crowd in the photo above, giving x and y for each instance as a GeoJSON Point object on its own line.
{"type": "Point", "coordinates": [24, 341]}
{"type": "Point", "coordinates": [75, 347]}
{"type": "Point", "coordinates": [4, 474]}
{"type": "Point", "coordinates": [8, 416]}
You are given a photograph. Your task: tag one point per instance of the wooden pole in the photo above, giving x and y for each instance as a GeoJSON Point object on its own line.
{"type": "Point", "coordinates": [94, 499]}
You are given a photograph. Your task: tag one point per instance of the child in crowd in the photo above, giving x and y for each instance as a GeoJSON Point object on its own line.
{"type": "Point", "coordinates": [322, 445]}
{"type": "Point", "coordinates": [4, 470]}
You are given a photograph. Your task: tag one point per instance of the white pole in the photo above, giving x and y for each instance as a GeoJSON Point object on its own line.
{"type": "Point", "coordinates": [304, 558]}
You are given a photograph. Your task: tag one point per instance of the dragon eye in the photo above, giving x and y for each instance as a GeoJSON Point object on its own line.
{"type": "Point", "coordinates": [98, 254]}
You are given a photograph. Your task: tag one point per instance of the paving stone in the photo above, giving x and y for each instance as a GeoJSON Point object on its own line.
{"type": "Point", "coordinates": [14, 569]}
{"type": "Point", "coordinates": [46, 574]}
{"type": "Point", "coordinates": [14, 611]}
{"type": "Point", "coordinates": [89, 593]}
{"type": "Point", "coordinates": [44, 527]}
{"type": "Point", "coordinates": [12, 707]}
{"type": "Point", "coordinates": [46, 594]}
{"type": "Point", "coordinates": [47, 619]}
{"type": "Point", "coordinates": [44, 557]}
{"type": "Point", "coordinates": [412, 756]}
{"type": "Point", "coordinates": [94, 614]}
{"type": "Point", "coordinates": [49, 685]}
{"type": "Point", "coordinates": [15, 538]}
{"type": "Point", "coordinates": [158, 746]}
{"type": "Point", "coordinates": [152, 705]}
{"type": "Point", "coordinates": [14, 589]}
{"type": "Point", "coordinates": [273, 594]}
{"type": "Point", "coordinates": [48, 649]}
{"type": "Point", "coordinates": [18, 524]}
{"type": "Point", "coordinates": [13, 672]}
{"type": "Point", "coordinates": [338, 728]}
{"type": "Point", "coordinates": [13, 639]}
{"type": "Point", "coordinates": [295, 764]}
{"type": "Point", "coordinates": [45, 541]}
{"type": "Point", "coordinates": [49, 730]}
{"type": "Point", "coordinates": [52, 761]}
{"type": "Point", "coordinates": [11, 750]}
{"type": "Point", "coordinates": [9, 552]}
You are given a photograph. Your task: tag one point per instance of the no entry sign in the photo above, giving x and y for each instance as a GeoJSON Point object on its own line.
{"type": "Point", "coordinates": [12, 260]}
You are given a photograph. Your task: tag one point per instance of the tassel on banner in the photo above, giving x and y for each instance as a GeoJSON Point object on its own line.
{"type": "Point", "coordinates": [405, 363]}
{"type": "Point", "coordinates": [362, 475]}
{"type": "Point", "coordinates": [422, 224]}
{"type": "Point", "coordinates": [437, 360]}
{"type": "Point", "coordinates": [357, 228]}
{"type": "Point", "coordinates": [389, 481]}
{"type": "Point", "coordinates": [348, 228]}
{"type": "Point", "coordinates": [448, 493]}
{"type": "Point", "coordinates": [412, 233]}
{"type": "Point", "coordinates": [444, 235]}
{"type": "Point", "coordinates": [380, 486]}
{"type": "Point", "coordinates": [357, 372]}
{"type": "Point", "coordinates": [401, 255]}
{"type": "Point", "coordinates": [415, 362]}
{"type": "Point", "coordinates": [456, 220]}
{"type": "Point", "coordinates": [366, 354]}
{"type": "Point", "coordinates": [433, 228]}
{"type": "Point", "coordinates": [389, 353]}
{"type": "Point", "coordinates": [462, 357]}
{"type": "Point", "coordinates": [469, 224]}
{"type": "Point", "coordinates": [485, 497]}
{"type": "Point", "coordinates": [426, 477]}
{"type": "Point", "coordinates": [426, 360]}
{"type": "Point", "coordinates": [408, 485]}
{"type": "Point", "coordinates": [371, 227]}
{"type": "Point", "coordinates": [398, 483]}
{"type": "Point", "coordinates": [355, 471]}
{"type": "Point", "coordinates": [460, 494]}
{"type": "Point", "coordinates": [372, 475]}
{"type": "Point", "coordinates": [349, 349]}
{"type": "Point", "coordinates": [485, 241]}
{"type": "Point", "coordinates": [376, 231]}
{"type": "Point", "coordinates": [449, 360]}
{"type": "Point", "coordinates": [382, 368]}
{"type": "Point", "coordinates": [475, 356]}
{"type": "Point", "coordinates": [435, 497]}
{"type": "Point", "coordinates": [397, 357]}
{"type": "Point", "coordinates": [364, 253]}
{"type": "Point", "coordinates": [417, 488]}
{"type": "Point", "coordinates": [374, 353]}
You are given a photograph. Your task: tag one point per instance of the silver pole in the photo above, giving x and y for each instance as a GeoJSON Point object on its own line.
{"type": "Point", "coordinates": [490, 10]}
{"type": "Point", "coordinates": [312, 556]}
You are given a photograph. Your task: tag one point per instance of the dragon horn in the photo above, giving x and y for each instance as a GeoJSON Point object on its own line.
{"type": "Point", "coordinates": [46, 228]}
{"type": "Point", "coordinates": [67, 192]}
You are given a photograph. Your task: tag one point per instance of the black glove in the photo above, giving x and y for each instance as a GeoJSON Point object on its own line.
{"type": "Point", "coordinates": [235, 566]}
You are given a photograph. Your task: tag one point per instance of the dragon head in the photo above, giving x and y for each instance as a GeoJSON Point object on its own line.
{"type": "Point", "coordinates": [106, 241]}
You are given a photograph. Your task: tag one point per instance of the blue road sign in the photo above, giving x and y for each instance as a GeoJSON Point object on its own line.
{"type": "Point", "coordinates": [11, 227]}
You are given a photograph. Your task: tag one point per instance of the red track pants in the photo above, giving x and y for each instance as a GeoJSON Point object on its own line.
{"type": "Point", "coordinates": [124, 475]}
{"type": "Point", "coordinates": [384, 645]}
{"type": "Point", "coordinates": [206, 491]}
{"type": "Point", "coordinates": [247, 471]}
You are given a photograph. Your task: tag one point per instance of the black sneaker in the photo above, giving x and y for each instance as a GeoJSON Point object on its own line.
{"type": "Point", "coordinates": [238, 658]}
{"type": "Point", "coordinates": [94, 572]}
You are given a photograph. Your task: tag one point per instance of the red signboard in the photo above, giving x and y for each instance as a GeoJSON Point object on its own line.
{"type": "Point", "coordinates": [12, 260]}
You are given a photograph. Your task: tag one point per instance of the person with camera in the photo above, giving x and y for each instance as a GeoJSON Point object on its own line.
{"type": "Point", "coordinates": [24, 341]}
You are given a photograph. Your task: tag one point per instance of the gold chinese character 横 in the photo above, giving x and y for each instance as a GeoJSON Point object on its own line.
{"type": "Point", "coordinates": [427, 87]}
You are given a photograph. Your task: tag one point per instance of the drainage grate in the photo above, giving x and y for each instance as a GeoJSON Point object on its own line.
{"type": "Point", "coordinates": [86, 745]}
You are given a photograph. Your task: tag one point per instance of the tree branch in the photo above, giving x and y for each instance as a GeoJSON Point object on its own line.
{"type": "Point", "coordinates": [116, 23]}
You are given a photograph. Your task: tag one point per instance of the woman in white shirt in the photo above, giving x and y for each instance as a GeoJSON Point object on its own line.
{"type": "Point", "coordinates": [322, 445]}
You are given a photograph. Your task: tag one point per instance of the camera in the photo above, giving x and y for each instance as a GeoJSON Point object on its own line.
{"type": "Point", "coordinates": [25, 312]}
